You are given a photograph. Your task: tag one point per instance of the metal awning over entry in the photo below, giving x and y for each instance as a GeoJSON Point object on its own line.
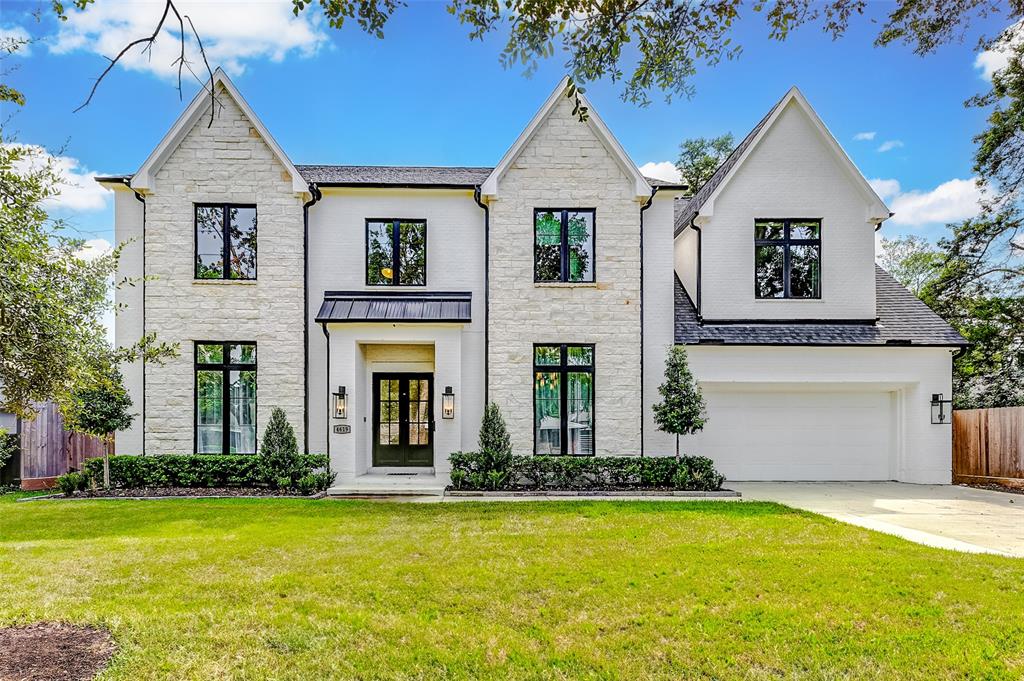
{"type": "Point", "coordinates": [341, 307]}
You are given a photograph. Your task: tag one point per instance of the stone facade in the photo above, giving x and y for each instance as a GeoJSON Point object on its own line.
{"type": "Point", "coordinates": [227, 162]}
{"type": "Point", "coordinates": [565, 165]}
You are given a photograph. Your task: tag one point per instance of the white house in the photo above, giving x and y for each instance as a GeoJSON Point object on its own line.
{"type": "Point", "coordinates": [382, 307]}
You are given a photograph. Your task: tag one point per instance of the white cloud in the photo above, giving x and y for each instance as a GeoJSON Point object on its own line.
{"type": "Point", "coordinates": [78, 190]}
{"type": "Point", "coordinates": [889, 145]}
{"type": "Point", "coordinates": [865, 136]}
{"type": "Point", "coordinates": [661, 170]}
{"type": "Point", "coordinates": [949, 202]}
{"type": "Point", "coordinates": [233, 33]}
{"type": "Point", "coordinates": [94, 248]}
{"type": "Point", "coordinates": [996, 59]}
{"type": "Point", "coordinates": [10, 35]}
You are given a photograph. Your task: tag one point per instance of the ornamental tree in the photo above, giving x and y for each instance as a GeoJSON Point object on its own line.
{"type": "Point", "coordinates": [682, 410]}
{"type": "Point", "coordinates": [100, 410]}
{"type": "Point", "coordinates": [494, 437]}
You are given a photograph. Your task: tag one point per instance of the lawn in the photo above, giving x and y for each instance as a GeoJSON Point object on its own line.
{"type": "Point", "coordinates": [284, 588]}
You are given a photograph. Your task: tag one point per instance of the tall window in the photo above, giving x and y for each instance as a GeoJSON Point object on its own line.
{"type": "Point", "coordinates": [396, 252]}
{"type": "Point", "coordinates": [787, 258]}
{"type": "Point", "coordinates": [225, 398]}
{"type": "Point", "coordinates": [225, 241]}
{"type": "Point", "coordinates": [563, 245]}
{"type": "Point", "coordinates": [563, 399]}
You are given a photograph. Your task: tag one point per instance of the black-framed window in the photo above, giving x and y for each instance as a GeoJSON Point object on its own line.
{"type": "Point", "coordinates": [225, 397]}
{"type": "Point", "coordinates": [396, 252]}
{"type": "Point", "coordinates": [225, 241]}
{"type": "Point", "coordinates": [563, 399]}
{"type": "Point", "coordinates": [563, 244]}
{"type": "Point", "coordinates": [787, 258]}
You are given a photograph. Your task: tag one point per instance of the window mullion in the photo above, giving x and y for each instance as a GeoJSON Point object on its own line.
{"type": "Point", "coordinates": [563, 399]}
{"type": "Point", "coordinates": [564, 246]}
{"type": "Point", "coordinates": [226, 236]}
{"type": "Point", "coordinates": [395, 257]}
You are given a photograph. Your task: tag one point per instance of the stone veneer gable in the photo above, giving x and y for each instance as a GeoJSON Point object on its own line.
{"type": "Point", "coordinates": [227, 162]}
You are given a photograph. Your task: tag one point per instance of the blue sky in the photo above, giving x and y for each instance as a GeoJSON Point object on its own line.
{"type": "Point", "coordinates": [427, 95]}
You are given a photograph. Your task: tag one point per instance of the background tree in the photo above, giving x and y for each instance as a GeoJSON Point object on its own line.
{"type": "Point", "coordinates": [911, 260]}
{"type": "Point", "coordinates": [699, 158]}
{"type": "Point", "coordinates": [682, 410]}
{"type": "Point", "coordinates": [100, 410]}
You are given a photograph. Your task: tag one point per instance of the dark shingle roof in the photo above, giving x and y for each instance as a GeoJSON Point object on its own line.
{"type": "Point", "coordinates": [686, 211]}
{"type": "Point", "coordinates": [390, 306]}
{"type": "Point", "coordinates": [902, 320]}
{"type": "Point", "coordinates": [410, 176]}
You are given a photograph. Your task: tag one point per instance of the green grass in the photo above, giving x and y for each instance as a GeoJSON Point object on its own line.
{"type": "Point", "coordinates": [299, 589]}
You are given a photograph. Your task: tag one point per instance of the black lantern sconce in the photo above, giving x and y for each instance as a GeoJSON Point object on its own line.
{"type": "Point", "coordinates": [942, 410]}
{"type": "Point", "coordinates": [448, 403]}
{"type": "Point", "coordinates": [341, 403]}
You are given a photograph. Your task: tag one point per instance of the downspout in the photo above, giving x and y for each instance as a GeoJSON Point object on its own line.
{"type": "Point", "coordinates": [141, 199]}
{"type": "Point", "coordinates": [645, 206]}
{"type": "Point", "coordinates": [315, 196]}
{"type": "Point", "coordinates": [487, 294]}
{"type": "Point", "coordinates": [694, 227]}
{"type": "Point", "coordinates": [327, 335]}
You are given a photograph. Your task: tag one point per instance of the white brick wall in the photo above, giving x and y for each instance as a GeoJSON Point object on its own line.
{"type": "Point", "coordinates": [565, 165]}
{"type": "Point", "coordinates": [230, 163]}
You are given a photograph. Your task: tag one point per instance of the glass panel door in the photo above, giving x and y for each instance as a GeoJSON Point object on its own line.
{"type": "Point", "coordinates": [403, 420]}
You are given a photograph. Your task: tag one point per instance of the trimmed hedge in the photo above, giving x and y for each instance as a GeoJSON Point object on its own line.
{"type": "Point", "coordinates": [485, 471]}
{"type": "Point", "coordinates": [205, 470]}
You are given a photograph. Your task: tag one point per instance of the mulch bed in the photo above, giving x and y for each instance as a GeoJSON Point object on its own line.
{"type": "Point", "coordinates": [995, 488]}
{"type": "Point", "coordinates": [53, 650]}
{"type": "Point", "coordinates": [136, 492]}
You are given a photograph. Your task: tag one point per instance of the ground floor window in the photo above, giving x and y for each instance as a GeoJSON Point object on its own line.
{"type": "Point", "coordinates": [225, 395]}
{"type": "Point", "coordinates": [563, 399]}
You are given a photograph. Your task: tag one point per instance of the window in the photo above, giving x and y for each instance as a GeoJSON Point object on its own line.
{"type": "Point", "coordinates": [563, 399]}
{"type": "Point", "coordinates": [563, 245]}
{"type": "Point", "coordinates": [396, 252]}
{"type": "Point", "coordinates": [787, 258]}
{"type": "Point", "coordinates": [225, 398]}
{"type": "Point", "coordinates": [225, 241]}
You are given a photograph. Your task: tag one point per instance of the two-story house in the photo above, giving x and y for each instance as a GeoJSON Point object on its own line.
{"type": "Point", "coordinates": [383, 307]}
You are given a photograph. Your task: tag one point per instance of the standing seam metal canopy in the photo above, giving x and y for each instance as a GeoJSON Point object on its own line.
{"type": "Point", "coordinates": [390, 306]}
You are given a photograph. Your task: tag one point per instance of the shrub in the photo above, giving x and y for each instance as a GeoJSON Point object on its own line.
{"type": "Point", "coordinates": [279, 452]}
{"type": "Point", "coordinates": [494, 436]}
{"type": "Point", "coordinates": [482, 470]}
{"type": "Point", "coordinates": [199, 470]}
{"type": "Point", "coordinates": [72, 482]}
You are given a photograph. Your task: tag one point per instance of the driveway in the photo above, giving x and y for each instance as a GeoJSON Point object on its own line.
{"type": "Point", "coordinates": [945, 516]}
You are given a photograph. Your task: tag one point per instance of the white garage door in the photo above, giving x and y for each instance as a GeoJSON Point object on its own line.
{"type": "Point", "coordinates": [799, 435]}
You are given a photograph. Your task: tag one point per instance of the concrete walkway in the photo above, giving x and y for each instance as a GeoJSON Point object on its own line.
{"type": "Point", "coordinates": [944, 516]}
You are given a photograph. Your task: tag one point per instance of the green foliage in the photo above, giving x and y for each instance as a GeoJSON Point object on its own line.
{"type": "Point", "coordinates": [72, 482]}
{"type": "Point", "coordinates": [494, 435]}
{"type": "Point", "coordinates": [479, 471]}
{"type": "Point", "coordinates": [682, 410]}
{"type": "Point", "coordinates": [9, 444]}
{"type": "Point", "coordinates": [911, 260]}
{"type": "Point", "coordinates": [201, 470]}
{"type": "Point", "coordinates": [102, 408]}
{"type": "Point", "coordinates": [279, 452]}
{"type": "Point", "coordinates": [699, 158]}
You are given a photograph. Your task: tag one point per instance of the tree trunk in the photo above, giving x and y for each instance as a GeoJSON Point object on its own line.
{"type": "Point", "coordinates": [677, 447]}
{"type": "Point", "coordinates": [106, 463]}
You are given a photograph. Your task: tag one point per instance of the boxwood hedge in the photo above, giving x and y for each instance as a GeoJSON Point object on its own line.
{"type": "Point", "coordinates": [203, 470]}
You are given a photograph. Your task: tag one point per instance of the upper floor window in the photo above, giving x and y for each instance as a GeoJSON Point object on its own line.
{"type": "Point", "coordinates": [396, 252]}
{"type": "Point", "coordinates": [225, 241]}
{"type": "Point", "coordinates": [563, 399]}
{"type": "Point", "coordinates": [225, 394]}
{"type": "Point", "coordinates": [563, 244]}
{"type": "Point", "coordinates": [787, 258]}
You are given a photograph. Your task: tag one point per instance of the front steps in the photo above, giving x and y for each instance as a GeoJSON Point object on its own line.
{"type": "Point", "coordinates": [391, 485]}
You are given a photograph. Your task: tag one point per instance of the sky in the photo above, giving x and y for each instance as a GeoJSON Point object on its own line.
{"type": "Point", "coordinates": [427, 95]}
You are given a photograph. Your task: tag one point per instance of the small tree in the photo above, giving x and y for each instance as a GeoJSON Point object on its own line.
{"type": "Point", "coordinates": [683, 410]}
{"type": "Point", "coordinates": [494, 436]}
{"type": "Point", "coordinates": [279, 451]}
{"type": "Point", "coordinates": [100, 410]}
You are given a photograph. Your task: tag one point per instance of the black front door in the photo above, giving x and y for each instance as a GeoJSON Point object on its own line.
{"type": "Point", "coordinates": [403, 420]}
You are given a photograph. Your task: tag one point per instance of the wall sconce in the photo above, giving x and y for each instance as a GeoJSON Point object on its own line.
{"type": "Point", "coordinates": [448, 403]}
{"type": "Point", "coordinates": [942, 410]}
{"type": "Point", "coordinates": [341, 403]}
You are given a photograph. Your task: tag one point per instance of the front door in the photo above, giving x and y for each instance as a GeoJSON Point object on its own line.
{"type": "Point", "coordinates": [403, 420]}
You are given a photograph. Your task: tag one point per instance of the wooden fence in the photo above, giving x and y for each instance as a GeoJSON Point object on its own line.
{"type": "Point", "coordinates": [48, 450]}
{"type": "Point", "coordinates": [988, 446]}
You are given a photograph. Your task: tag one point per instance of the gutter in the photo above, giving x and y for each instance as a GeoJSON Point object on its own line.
{"type": "Point", "coordinates": [327, 336]}
{"type": "Point", "coordinates": [315, 195]}
{"type": "Point", "coordinates": [645, 206]}
{"type": "Point", "coordinates": [141, 199]}
{"type": "Point", "coordinates": [487, 294]}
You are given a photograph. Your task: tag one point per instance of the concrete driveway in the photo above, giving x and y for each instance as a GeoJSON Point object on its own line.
{"type": "Point", "coordinates": [944, 516]}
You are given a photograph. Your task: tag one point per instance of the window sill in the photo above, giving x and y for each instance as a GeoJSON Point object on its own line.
{"type": "Point", "coordinates": [567, 284]}
{"type": "Point", "coordinates": [224, 282]}
{"type": "Point", "coordinates": [788, 300]}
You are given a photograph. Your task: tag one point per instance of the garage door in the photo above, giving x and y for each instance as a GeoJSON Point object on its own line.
{"type": "Point", "coordinates": [799, 434]}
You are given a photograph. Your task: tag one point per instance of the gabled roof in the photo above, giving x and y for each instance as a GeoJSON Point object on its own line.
{"type": "Point", "coordinates": [902, 320]}
{"type": "Point", "coordinates": [145, 177]}
{"type": "Point", "coordinates": [641, 187]}
{"type": "Point", "coordinates": [702, 202]}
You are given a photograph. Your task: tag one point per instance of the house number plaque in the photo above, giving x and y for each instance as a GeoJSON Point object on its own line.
{"type": "Point", "coordinates": [342, 429]}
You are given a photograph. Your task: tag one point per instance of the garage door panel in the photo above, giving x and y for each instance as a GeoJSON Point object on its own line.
{"type": "Point", "coordinates": [799, 435]}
